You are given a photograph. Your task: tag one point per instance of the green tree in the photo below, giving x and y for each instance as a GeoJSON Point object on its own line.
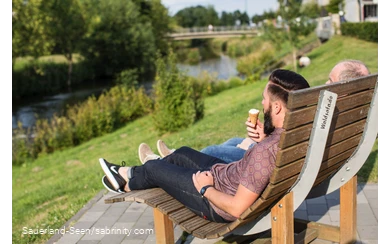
{"type": "Point", "coordinates": [244, 19]}
{"type": "Point", "coordinates": [257, 18]}
{"type": "Point", "coordinates": [66, 28]}
{"type": "Point", "coordinates": [198, 16]}
{"type": "Point", "coordinates": [227, 19]}
{"type": "Point", "coordinates": [311, 9]}
{"type": "Point", "coordinates": [29, 36]}
{"type": "Point", "coordinates": [335, 6]}
{"type": "Point", "coordinates": [118, 38]}
{"type": "Point", "coordinates": [269, 15]}
{"type": "Point", "coordinates": [155, 13]}
{"type": "Point", "coordinates": [294, 23]}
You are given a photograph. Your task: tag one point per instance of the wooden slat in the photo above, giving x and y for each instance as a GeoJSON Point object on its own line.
{"type": "Point", "coordinates": [339, 120]}
{"type": "Point", "coordinates": [293, 119]}
{"type": "Point", "coordinates": [329, 170]}
{"type": "Point", "coordinates": [354, 100]}
{"type": "Point", "coordinates": [181, 215]}
{"type": "Point", "coordinates": [306, 115]}
{"type": "Point", "coordinates": [290, 170]}
{"type": "Point", "coordinates": [118, 198]}
{"type": "Point", "coordinates": [340, 158]}
{"type": "Point", "coordinates": [306, 236]}
{"type": "Point", "coordinates": [221, 231]}
{"type": "Point", "coordinates": [326, 232]}
{"type": "Point", "coordinates": [193, 224]}
{"type": "Point", "coordinates": [298, 151]}
{"type": "Point", "coordinates": [256, 210]}
{"type": "Point", "coordinates": [209, 228]}
{"type": "Point", "coordinates": [280, 187]}
{"type": "Point", "coordinates": [150, 195]}
{"type": "Point", "coordinates": [346, 132]}
{"type": "Point", "coordinates": [301, 98]}
{"type": "Point", "coordinates": [323, 175]}
{"type": "Point", "coordinates": [291, 137]}
{"type": "Point", "coordinates": [287, 171]}
{"type": "Point", "coordinates": [350, 116]}
{"type": "Point", "coordinates": [131, 197]}
{"type": "Point", "coordinates": [342, 146]}
{"type": "Point", "coordinates": [301, 134]}
{"type": "Point", "coordinates": [170, 206]}
{"type": "Point", "coordinates": [153, 202]}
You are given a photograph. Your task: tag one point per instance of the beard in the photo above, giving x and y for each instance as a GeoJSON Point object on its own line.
{"type": "Point", "coordinates": [268, 125]}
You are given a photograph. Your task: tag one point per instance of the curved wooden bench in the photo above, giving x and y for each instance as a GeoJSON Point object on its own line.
{"type": "Point", "coordinates": [324, 129]}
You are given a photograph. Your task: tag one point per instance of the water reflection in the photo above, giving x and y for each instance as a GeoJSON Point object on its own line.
{"type": "Point", "coordinates": [45, 107]}
{"type": "Point", "coordinates": [224, 67]}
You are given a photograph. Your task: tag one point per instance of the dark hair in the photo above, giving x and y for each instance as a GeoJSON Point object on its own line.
{"type": "Point", "coordinates": [282, 81]}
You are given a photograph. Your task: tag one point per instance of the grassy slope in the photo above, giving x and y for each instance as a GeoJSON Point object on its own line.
{"type": "Point", "coordinates": [49, 191]}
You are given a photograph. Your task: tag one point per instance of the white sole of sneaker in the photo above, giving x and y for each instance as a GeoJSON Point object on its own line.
{"type": "Point", "coordinates": [109, 189]}
{"type": "Point", "coordinates": [108, 173]}
{"type": "Point", "coordinates": [159, 149]}
{"type": "Point", "coordinates": [139, 153]}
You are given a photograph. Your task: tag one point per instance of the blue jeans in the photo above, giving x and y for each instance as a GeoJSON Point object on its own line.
{"type": "Point", "coordinates": [227, 151]}
{"type": "Point", "coordinates": [174, 175]}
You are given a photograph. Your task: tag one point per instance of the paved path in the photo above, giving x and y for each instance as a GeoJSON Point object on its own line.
{"type": "Point", "coordinates": [98, 222]}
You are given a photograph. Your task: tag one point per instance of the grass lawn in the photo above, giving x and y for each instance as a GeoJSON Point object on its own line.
{"type": "Point", "coordinates": [53, 188]}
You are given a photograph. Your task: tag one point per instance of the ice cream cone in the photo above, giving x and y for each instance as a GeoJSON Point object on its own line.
{"type": "Point", "coordinates": [254, 114]}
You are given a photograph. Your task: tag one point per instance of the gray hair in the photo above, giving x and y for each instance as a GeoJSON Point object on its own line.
{"type": "Point", "coordinates": [353, 69]}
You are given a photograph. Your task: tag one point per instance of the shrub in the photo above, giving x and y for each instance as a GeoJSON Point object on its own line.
{"type": "Point", "coordinates": [82, 122]}
{"type": "Point", "coordinates": [21, 145]}
{"type": "Point", "coordinates": [367, 31]}
{"type": "Point", "coordinates": [128, 77]}
{"type": "Point", "coordinates": [177, 97]}
{"type": "Point", "coordinates": [256, 61]}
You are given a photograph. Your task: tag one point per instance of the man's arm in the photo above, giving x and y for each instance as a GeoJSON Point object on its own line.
{"type": "Point", "coordinates": [234, 205]}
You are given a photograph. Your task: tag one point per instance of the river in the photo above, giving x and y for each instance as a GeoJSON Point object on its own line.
{"type": "Point", "coordinates": [27, 111]}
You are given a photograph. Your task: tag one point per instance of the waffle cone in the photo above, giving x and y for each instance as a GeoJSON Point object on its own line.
{"type": "Point", "coordinates": [253, 118]}
{"type": "Point", "coordinates": [254, 114]}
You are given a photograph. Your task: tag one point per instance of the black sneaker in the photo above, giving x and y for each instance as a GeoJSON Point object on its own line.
{"type": "Point", "coordinates": [108, 186]}
{"type": "Point", "coordinates": [112, 173]}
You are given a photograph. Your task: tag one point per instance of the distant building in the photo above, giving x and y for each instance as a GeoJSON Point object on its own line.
{"type": "Point", "coordinates": [355, 10]}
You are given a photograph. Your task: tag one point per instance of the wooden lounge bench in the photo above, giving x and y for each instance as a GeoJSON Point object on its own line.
{"type": "Point", "coordinates": [329, 133]}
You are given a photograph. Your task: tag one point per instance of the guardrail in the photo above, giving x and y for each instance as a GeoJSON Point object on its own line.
{"type": "Point", "coordinates": [214, 32]}
{"type": "Point", "coordinates": [216, 29]}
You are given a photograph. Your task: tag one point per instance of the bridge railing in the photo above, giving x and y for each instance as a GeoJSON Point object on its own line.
{"type": "Point", "coordinates": [216, 29]}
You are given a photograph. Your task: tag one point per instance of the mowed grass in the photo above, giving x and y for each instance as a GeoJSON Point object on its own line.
{"type": "Point", "coordinates": [49, 191]}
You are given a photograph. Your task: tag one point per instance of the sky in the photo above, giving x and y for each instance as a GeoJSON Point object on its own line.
{"type": "Point", "coordinates": [252, 6]}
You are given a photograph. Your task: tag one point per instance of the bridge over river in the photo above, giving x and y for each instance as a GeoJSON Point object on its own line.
{"type": "Point", "coordinates": [214, 32]}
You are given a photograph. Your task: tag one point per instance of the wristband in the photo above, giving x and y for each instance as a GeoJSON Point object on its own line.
{"type": "Point", "coordinates": [203, 190]}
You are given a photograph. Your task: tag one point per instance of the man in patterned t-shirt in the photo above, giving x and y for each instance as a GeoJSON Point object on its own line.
{"type": "Point", "coordinates": [210, 187]}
